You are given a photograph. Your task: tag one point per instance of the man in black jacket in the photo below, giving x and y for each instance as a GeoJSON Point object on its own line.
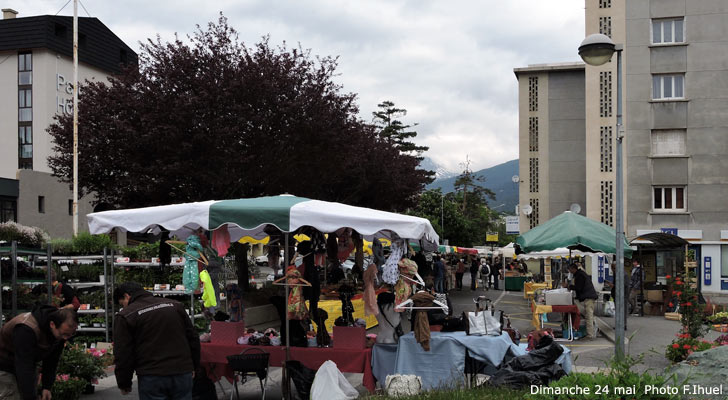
{"type": "Point", "coordinates": [586, 294]}
{"type": "Point", "coordinates": [29, 338]}
{"type": "Point", "coordinates": [154, 337]}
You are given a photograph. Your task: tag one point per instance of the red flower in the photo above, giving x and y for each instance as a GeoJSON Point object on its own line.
{"type": "Point", "coordinates": [678, 283]}
{"type": "Point", "coordinates": [668, 276]}
{"type": "Point", "coordinates": [670, 304]}
{"type": "Point", "coordinates": [688, 304]}
{"type": "Point", "coordinates": [675, 345]}
{"type": "Point", "coordinates": [686, 346]}
{"type": "Point", "coordinates": [678, 293]}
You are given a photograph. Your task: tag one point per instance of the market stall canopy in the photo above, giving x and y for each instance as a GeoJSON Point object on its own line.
{"type": "Point", "coordinates": [250, 217]}
{"type": "Point", "coordinates": [561, 252]}
{"type": "Point", "coordinates": [572, 231]}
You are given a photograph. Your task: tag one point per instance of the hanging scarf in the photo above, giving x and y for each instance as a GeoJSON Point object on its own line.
{"type": "Point", "coordinates": [296, 304]}
{"type": "Point", "coordinates": [403, 288]}
{"type": "Point", "coordinates": [370, 297]}
{"type": "Point", "coordinates": [391, 274]}
{"type": "Point", "coordinates": [422, 323]}
{"type": "Point", "coordinates": [191, 275]}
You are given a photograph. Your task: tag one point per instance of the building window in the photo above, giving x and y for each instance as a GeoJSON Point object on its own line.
{"type": "Point", "coordinates": [668, 142]}
{"type": "Point", "coordinates": [668, 198]}
{"type": "Point", "coordinates": [605, 94]}
{"type": "Point", "coordinates": [533, 134]}
{"type": "Point", "coordinates": [25, 69]}
{"type": "Point", "coordinates": [605, 148]}
{"type": "Point", "coordinates": [668, 86]}
{"type": "Point", "coordinates": [605, 3]}
{"type": "Point", "coordinates": [25, 147]}
{"type": "Point", "coordinates": [8, 209]}
{"type": "Point", "coordinates": [533, 93]}
{"type": "Point", "coordinates": [533, 175]}
{"type": "Point", "coordinates": [25, 111]}
{"type": "Point", "coordinates": [724, 261]}
{"type": "Point", "coordinates": [607, 202]}
{"type": "Point", "coordinates": [668, 31]}
{"type": "Point", "coordinates": [41, 204]}
{"type": "Point", "coordinates": [605, 26]}
{"type": "Point", "coordinates": [533, 218]}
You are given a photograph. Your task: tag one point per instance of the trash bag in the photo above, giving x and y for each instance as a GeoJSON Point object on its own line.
{"type": "Point", "coordinates": [302, 377]}
{"type": "Point", "coordinates": [609, 308]}
{"type": "Point", "coordinates": [537, 358]}
{"type": "Point", "coordinates": [330, 384]}
{"type": "Point", "coordinates": [520, 379]}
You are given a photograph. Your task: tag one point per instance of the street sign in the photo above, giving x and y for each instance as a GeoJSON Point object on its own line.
{"type": "Point", "coordinates": [491, 237]}
{"type": "Point", "coordinates": [671, 231]}
{"type": "Point", "coordinates": [707, 270]}
{"type": "Point", "coordinates": [512, 225]}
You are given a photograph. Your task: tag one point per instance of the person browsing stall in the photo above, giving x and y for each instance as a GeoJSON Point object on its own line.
{"type": "Point", "coordinates": [154, 337]}
{"type": "Point", "coordinates": [29, 338]}
{"type": "Point", "coordinates": [586, 295]}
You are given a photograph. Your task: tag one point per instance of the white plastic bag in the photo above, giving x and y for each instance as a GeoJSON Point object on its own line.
{"type": "Point", "coordinates": [330, 384]}
{"type": "Point", "coordinates": [402, 385]}
{"type": "Point", "coordinates": [609, 308]}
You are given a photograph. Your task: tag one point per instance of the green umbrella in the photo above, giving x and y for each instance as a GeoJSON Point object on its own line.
{"type": "Point", "coordinates": [573, 231]}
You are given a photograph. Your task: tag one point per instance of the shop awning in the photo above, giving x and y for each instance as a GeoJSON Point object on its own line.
{"type": "Point", "coordinates": [660, 239]}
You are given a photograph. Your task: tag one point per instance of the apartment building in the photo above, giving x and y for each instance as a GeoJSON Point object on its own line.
{"type": "Point", "coordinates": [36, 76]}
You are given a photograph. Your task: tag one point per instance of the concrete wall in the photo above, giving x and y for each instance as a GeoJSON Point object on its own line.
{"type": "Point", "coordinates": [566, 142]}
{"type": "Point", "coordinates": [56, 219]}
{"type": "Point", "coordinates": [8, 114]}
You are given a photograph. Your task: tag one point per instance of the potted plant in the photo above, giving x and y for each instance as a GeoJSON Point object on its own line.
{"type": "Point", "coordinates": [88, 365]}
{"type": "Point", "coordinates": [67, 387]}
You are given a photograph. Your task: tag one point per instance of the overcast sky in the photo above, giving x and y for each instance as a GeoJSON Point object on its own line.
{"type": "Point", "coordinates": [449, 63]}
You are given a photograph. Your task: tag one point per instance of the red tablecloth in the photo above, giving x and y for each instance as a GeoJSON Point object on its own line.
{"type": "Point", "coordinates": [213, 359]}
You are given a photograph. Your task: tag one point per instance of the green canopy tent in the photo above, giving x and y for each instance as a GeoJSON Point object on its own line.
{"type": "Point", "coordinates": [572, 231]}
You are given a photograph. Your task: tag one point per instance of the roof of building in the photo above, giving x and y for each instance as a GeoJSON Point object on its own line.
{"type": "Point", "coordinates": [565, 66]}
{"type": "Point", "coordinates": [98, 45]}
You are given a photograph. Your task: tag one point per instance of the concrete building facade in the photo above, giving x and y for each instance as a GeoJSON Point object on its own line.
{"type": "Point", "coordinates": [36, 76]}
{"type": "Point", "coordinates": [551, 141]}
{"type": "Point", "coordinates": [675, 76]}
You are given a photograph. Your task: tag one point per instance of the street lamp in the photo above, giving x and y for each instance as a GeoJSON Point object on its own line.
{"type": "Point", "coordinates": [596, 50]}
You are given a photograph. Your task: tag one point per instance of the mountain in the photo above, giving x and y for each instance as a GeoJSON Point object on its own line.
{"type": "Point", "coordinates": [498, 179]}
{"type": "Point", "coordinates": [440, 171]}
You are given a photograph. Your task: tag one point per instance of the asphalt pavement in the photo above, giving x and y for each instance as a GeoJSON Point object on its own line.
{"type": "Point", "coordinates": [647, 335]}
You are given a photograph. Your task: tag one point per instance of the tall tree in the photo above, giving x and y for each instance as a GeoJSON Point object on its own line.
{"type": "Point", "coordinates": [470, 183]}
{"type": "Point", "coordinates": [211, 118]}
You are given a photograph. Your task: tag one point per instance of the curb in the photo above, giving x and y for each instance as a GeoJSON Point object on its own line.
{"type": "Point", "coordinates": [608, 331]}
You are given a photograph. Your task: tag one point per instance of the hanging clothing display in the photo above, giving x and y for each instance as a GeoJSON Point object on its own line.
{"type": "Point", "coordinates": [378, 253]}
{"type": "Point", "coordinates": [346, 292]}
{"type": "Point", "coordinates": [296, 306]}
{"type": "Point", "coordinates": [208, 290]}
{"type": "Point", "coordinates": [346, 245]}
{"type": "Point", "coordinates": [221, 240]}
{"type": "Point", "coordinates": [310, 273]}
{"type": "Point", "coordinates": [422, 324]}
{"type": "Point", "coordinates": [403, 287]}
{"type": "Point", "coordinates": [191, 275]}
{"type": "Point", "coordinates": [165, 250]}
{"type": "Point", "coordinates": [370, 296]}
{"type": "Point", "coordinates": [390, 274]}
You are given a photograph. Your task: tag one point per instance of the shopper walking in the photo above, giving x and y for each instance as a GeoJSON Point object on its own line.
{"type": "Point", "coordinates": [635, 286]}
{"type": "Point", "coordinates": [485, 273]}
{"type": "Point", "coordinates": [459, 274]}
{"type": "Point", "coordinates": [439, 268]}
{"type": "Point", "coordinates": [474, 269]}
{"type": "Point", "coordinates": [586, 295]}
{"type": "Point", "coordinates": [29, 338]}
{"type": "Point", "coordinates": [154, 337]}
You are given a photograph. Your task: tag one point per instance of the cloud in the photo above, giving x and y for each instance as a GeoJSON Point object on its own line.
{"type": "Point", "coordinates": [450, 64]}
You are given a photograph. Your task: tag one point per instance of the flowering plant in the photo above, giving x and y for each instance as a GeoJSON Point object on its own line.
{"type": "Point", "coordinates": [722, 340]}
{"type": "Point", "coordinates": [25, 235]}
{"type": "Point", "coordinates": [686, 345]}
{"type": "Point", "coordinates": [67, 387]}
{"type": "Point", "coordinates": [79, 362]}
{"type": "Point", "coordinates": [691, 315]}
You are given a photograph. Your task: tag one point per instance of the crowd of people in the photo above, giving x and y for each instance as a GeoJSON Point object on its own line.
{"type": "Point", "coordinates": [448, 272]}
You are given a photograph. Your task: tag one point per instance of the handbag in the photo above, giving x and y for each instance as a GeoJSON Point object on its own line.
{"type": "Point", "coordinates": [512, 332]}
{"type": "Point", "coordinates": [487, 321]}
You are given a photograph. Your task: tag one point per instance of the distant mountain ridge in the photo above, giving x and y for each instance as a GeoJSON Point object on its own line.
{"type": "Point", "coordinates": [498, 179]}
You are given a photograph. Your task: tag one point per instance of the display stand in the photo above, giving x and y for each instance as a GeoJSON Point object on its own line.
{"type": "Point", "coordinates": [13, 251]}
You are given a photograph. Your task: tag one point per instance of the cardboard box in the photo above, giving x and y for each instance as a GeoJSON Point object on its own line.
{"type": "Point", "coordinates": [226, 332]}
{"type": "Point", "coordinates": [558, 298]}
{"type": "Point", "coordinates": [349, 337]}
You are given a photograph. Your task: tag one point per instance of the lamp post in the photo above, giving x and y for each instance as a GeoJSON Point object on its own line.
{"type": "Point", "coordinates": [596, 50]}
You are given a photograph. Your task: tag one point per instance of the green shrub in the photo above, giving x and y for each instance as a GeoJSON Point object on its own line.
{"type": "Point", "coordinates": [142, 251]}
{"type": "Point", "coordinates": [62, 247]}
{"type": "Point", "coordinates": [85, 243]}
{"type": "Point", "coordinates": [618, 376]}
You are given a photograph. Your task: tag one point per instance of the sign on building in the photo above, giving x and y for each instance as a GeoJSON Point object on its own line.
{"type": "Point", "coordinates": [491, 237]}
{"type": "Point", "coordinates": [512, 225]}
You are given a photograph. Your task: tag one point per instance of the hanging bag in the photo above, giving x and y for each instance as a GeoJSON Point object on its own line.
{"type": "Point", "coordinates": [486, 321]}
